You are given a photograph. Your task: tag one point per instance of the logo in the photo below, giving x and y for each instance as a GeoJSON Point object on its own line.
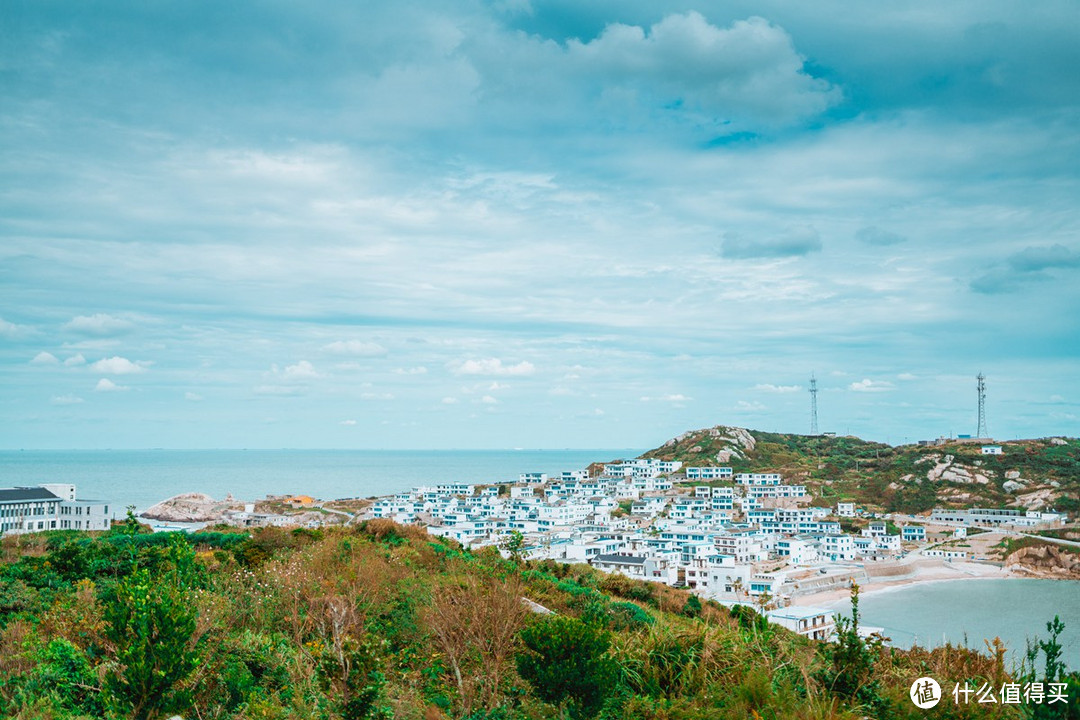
{"type": "Point", "coordinates": [925, 693]}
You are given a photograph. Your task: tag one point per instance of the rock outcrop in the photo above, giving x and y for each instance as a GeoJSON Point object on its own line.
{"type": "Point", "coordinates": [1045, 561]}
{"type": "Point", "coordinates": [191, 507]}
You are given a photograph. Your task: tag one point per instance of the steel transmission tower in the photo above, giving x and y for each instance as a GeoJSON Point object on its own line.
{"type": "Point", "coordinates": [982, 406]}
{"type": "Point", "coordinates": [813, 405]}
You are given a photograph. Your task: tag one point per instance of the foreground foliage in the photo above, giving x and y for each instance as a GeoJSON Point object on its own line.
{"type": "Point", "coordinates": [382, 621]}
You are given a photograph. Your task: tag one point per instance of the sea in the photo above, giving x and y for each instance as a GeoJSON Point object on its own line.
{"type": "Point", "coordinates": [143, 478]}
{"type": "Point", "coordinates": [968, 612]}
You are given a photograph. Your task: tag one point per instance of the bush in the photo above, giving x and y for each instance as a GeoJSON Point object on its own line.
{"type": "Point", "coordinates": [566, 661]}
{"type": "Point", "coordinates": [150, 623]}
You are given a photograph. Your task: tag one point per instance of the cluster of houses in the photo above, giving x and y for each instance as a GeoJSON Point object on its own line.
{"type": "Point", "coordinates": [735, 537]}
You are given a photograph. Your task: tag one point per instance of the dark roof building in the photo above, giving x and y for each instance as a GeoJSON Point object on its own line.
{"type": "Point", "coordinates": [25, 494]}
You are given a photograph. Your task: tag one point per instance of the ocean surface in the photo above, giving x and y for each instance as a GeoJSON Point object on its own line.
{"type": "Point", "coordinates": [145, 477]}
{"type": "Point", "coordinates": [973, 610]}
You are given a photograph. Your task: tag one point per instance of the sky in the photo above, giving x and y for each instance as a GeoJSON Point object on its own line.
{"type": "Point", "coordinates": [541, 224]}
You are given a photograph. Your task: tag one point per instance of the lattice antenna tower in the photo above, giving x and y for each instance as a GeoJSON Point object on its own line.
{"type": "Point", "coordinates": [813, 405]}
{"type": "Point", "coordinates": [982, 406]}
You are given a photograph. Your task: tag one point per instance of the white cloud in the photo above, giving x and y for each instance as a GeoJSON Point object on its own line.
{"type": "Point", "coordinates": [107, 385]}
{"type": "Point", "coordinates": [44, 358]}
{"type": "Point", "coordinates": [749, 70]}
{"type": "Point", "coordinates": [118, 366]}
{"type": "Point", "coordinates": [277, 390]}
{"type": "Point", "coordinates": [376, 396]}
{"type": "Point", "coordinates": [193, 397]}
{"type": "Point", "coordinates": [98, 324]}
{"type": "Point", "coordinates": [753, 406]}
{"type": "Point", "coordinates": [69, 399]}
{"type": "Point", "coordinates": [11, 330]}
{"type": "Point", "coordinates": [494, 366]}
{"type": "Point", "coordinates": [419, 370]}
{"type": "Point", "coordinates": [767, 387]}
{"type": "Point", "coordinates": [670, 397]}
{"type": "Point", "coordinates": [450, 400]}
{"type": "Point", "coordinates": [489, 400]}
{"type": "Point", "coordinates": [907, 376]}
{"type": "Point", "coordinates": [496, 385]}
{"type": "Point", "coordinates": [356, 348]}
{"type": "Point", "coordinates": [347, 422]}
{"type": "Point", "coordinates": [867, 385]}
{"type": "Point", "coordinates": [75, 360]}
{"type": "Point", "coordinates": [302, 370]}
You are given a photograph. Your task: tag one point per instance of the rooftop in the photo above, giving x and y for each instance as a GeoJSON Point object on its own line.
{"type": "Point", "coordinates": [24, 493]}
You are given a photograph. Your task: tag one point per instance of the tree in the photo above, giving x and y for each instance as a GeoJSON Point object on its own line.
{"type": "Point", "coordinates": [850, 669]}
{"type": "Point", "coordinates": [1054, 671]}
{"type": "Point", "coordinates": [151, 623]}
{"type": "Point", "coordinates": [515, 545]}
{"type": "Point", "coordinates": [566, 661]}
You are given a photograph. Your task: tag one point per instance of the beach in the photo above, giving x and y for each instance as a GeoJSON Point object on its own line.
{"type": "Point", "coordinates": [920, 571]}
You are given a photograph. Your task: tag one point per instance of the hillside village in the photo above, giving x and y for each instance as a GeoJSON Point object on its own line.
{"type": "Point", "coordinates": [736, 537]}
{"type": "Point", "coordinates": [734, 515]}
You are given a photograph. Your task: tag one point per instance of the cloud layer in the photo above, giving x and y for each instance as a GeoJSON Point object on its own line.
{"type": "Point", "coordinates": [505, 225]}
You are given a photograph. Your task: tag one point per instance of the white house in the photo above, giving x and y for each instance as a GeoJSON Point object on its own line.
{"type": "Point", "coordinates": [812, 622]}
{"type": "Point", "coordinates": [913, 533]}
{"type": "Point", "coordinates": [991, 450]}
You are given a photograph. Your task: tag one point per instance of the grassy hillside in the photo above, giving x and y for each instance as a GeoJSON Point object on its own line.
{"type": "Point", "coordinates": [1030, 473]}
{"type": "Point", "coordinates": [386, 622]}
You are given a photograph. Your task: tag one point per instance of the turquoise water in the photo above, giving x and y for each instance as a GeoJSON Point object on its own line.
{"type": "Point", "coordinates": [973, 610]}
{"type": "Point", "coordinates": [144, 477]}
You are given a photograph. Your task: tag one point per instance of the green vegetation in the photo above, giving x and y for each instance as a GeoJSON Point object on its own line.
{"type": "Point", "coordinates": [893, 479]}
{"type": "Point", "coordinates": [384, 621]}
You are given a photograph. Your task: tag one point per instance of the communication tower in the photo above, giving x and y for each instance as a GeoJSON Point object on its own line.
{"type": "Point", "coordinates": [813, 405]}
{"type": "Point", "coordinates": [982, 406]}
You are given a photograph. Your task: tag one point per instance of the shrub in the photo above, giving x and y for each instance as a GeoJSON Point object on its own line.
{"type": "Point", "coordinates": [566, 660]}
{"type": "Point", "coordinates": [151, 624]}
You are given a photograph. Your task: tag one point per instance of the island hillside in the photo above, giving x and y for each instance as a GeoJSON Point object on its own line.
{"type": "Point", "coordinates": [1032, 474]}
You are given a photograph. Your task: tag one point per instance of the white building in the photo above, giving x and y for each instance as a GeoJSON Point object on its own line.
{"type": "Point", "coordinates": [52, 506]}
{"type": "Point", "coordinates": [913, 533]}
{"type": "Point", "coordinates": [812, 622]}
{"type": "Point", "coordinates": [991, 450]}
{"type": "Point", "coordinates": [708, 473]}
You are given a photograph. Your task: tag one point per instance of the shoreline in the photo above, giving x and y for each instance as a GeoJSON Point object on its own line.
{"type": "Point", "coordinates": [922, 575]}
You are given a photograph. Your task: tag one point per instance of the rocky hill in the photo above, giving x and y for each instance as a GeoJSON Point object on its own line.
{"type": "Point", "coordinates": [1030, 473]}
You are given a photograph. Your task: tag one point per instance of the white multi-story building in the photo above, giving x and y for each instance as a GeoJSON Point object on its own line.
{"type": "Point", "coordinates": [758, 478]}
{"type": "Point", "coordinates": [708, 473]}
{"type": "Point", "coordinates": [51, 506]}
{"type": "Point", "coordinates": [812, 622]}
{"type": "Point", "coordinates": [838, 548]}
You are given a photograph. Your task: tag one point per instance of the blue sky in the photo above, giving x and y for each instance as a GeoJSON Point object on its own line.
{"type": "Point", "coordinates": [535, 224]}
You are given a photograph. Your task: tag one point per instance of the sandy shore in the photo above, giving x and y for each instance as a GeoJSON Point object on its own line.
{"type": "Point", "coordinates": [924, 571]}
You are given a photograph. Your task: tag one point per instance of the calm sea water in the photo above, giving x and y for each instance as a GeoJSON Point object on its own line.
{"type": "Point", "coordinates": [145, 477]}
{"type": "Point", "coordinates": [973, 610]}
